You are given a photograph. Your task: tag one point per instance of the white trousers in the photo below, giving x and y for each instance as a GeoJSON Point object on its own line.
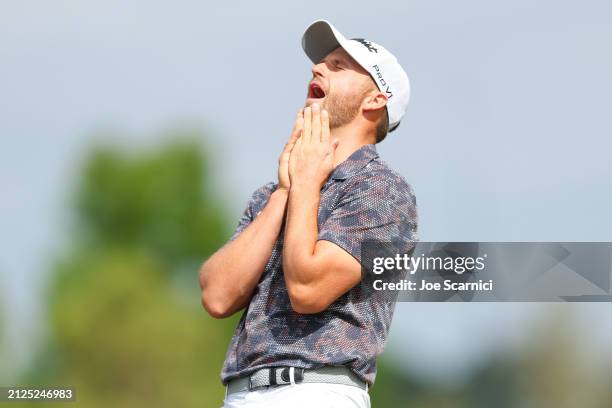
{"type": "Point", "coordinates": [304, 395]}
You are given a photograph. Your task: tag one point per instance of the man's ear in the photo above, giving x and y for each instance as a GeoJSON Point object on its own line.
{"type": "Point", "coordinates": [374, 101]}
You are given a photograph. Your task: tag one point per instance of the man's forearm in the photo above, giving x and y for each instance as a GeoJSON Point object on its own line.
{"type": "Point", "coordinates": [300, 236]}
{"type": "Point", "coordinates": [229, 276]}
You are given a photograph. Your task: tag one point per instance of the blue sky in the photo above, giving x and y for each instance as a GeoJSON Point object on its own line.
{"type": "Point", "coordinates": [507, 136]}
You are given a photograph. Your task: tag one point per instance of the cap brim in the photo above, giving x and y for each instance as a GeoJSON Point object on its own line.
{"type": "Point", "coordinates": [321, 38]}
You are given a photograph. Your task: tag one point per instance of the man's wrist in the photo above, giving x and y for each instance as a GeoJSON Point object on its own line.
{"type": "Point", "coordinates": [281, 191]}
{"type": "Point", "coordinates": [305, 188]}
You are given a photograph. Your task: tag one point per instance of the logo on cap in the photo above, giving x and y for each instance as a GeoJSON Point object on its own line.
{"type": "Point", "coordinates": [382, 81]}
{"type": "Point", "coordinates": [367, 44]}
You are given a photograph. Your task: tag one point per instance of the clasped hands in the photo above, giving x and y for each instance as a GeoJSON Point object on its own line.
{"type": "Point", "coordinates": [307, 159]}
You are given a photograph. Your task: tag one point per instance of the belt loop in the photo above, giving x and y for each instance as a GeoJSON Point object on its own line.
{"type": "Point", "coordinates": [299, 375]}
{"type": "Point", "coordinates": [366, 387]}
{"type": "Point", "coordinates": [272, 376]}
{"type": "Point", "coordinates": [292, 375]}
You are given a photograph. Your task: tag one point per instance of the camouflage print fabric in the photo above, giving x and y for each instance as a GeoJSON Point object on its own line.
{"type": "Point", "coordinates": [362, 200]}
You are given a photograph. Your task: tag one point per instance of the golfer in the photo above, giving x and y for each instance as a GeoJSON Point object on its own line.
{"type": "Point", "coordinates": [308, 337]}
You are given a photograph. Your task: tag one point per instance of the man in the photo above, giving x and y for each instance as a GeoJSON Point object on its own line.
{"type": "Point", "coordinates": [310, 335]}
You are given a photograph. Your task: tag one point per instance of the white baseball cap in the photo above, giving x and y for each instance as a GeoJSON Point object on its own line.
{"type": "Point", "coordinates": [321, 38]}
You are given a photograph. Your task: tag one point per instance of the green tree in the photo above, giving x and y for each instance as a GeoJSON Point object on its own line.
{"type": "Point", "coordinates": [557, 368]}
{"type": "Point", "coordinates": [126, 324]}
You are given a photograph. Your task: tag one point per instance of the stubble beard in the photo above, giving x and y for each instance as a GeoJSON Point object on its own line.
{"type": "Point", "coordinates": [342, 109]}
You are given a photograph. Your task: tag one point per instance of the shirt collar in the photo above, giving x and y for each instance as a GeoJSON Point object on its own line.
{"type": "Point", "coordinates": [355, 162]}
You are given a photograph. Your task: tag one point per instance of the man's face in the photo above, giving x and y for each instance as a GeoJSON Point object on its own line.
{"type": "Point", "coordinates": [339, 85]}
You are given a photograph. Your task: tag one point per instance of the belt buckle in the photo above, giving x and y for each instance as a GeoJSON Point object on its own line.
{"type": "Point", "coordinates": [288, 375]}
{"type": "Point", "coordinates": [288, 372]}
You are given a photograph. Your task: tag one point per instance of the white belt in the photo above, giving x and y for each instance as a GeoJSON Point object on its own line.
{"type": "Point", "coordinates": [274, 376]}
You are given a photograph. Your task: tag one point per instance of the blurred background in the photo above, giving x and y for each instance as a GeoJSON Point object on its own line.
{"type": "Point", "coordinates": [133, 134]}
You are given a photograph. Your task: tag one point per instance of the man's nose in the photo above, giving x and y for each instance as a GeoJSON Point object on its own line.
{"type": "Point", "coordinates": [319, 69]}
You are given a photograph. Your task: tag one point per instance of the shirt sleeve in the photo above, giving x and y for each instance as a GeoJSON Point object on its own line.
{"type": "Point", "coordinates": [254, 206]}
{"type": "Point", "coordinates": [376, 207]}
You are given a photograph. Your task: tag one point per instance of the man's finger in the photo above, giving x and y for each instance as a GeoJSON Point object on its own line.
{"type": "Point", "coordinates": [306, 133]}
{"type": "Point", "coordinates": [325, 126]}
{"type": "Point", "coordinates": [294, 153]}
{"type": "Point", "coordinates": [297, 125]}
{"type": "Point", "coordinates": [316, 123]}
{"type": "Point", "coordinates": [334, 145]}
{"type": "Point", "coordinates": [296, 132]}
{"type": "Point", "coordinates": [299, 114]}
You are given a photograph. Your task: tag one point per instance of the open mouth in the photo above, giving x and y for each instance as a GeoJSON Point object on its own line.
{"type": "Point", "coordinates": [315, 91]}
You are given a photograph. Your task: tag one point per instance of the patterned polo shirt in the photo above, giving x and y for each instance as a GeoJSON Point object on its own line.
{"type": "Point", "coordinates": [363, 199]}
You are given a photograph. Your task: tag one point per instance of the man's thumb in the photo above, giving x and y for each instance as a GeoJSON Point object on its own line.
{"type": "Point", "coordinates": [334, 144]}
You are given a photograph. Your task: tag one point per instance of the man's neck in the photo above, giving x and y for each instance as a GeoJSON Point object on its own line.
{"type": "Point", "coordinates": [351, 139]}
